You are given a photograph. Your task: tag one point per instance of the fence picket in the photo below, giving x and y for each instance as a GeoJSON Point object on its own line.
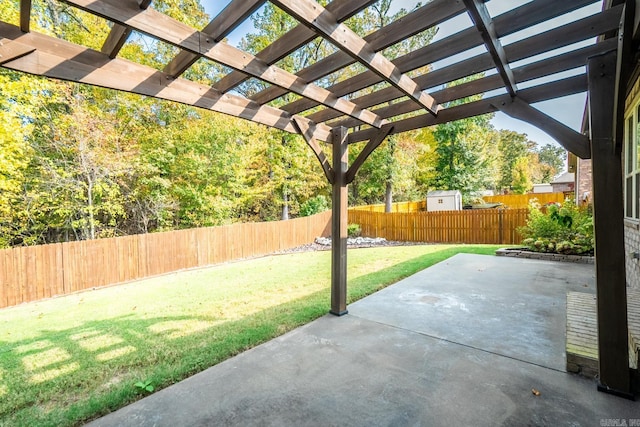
{"type": "Point", "coordinates": [35, 272]}
{"type": "Point", "coordinates": [467, 226]}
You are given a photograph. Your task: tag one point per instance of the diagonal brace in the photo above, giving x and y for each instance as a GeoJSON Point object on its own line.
{"type": "Point", "coordinates": [305, 130]}
{"type": "Point", "coordinates": [573, 141]}
{"type": "Point", "coordinates": [366, 151]}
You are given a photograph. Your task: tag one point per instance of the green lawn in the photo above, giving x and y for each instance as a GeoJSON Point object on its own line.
{"type": "Point", "coordinates": [67, 360]}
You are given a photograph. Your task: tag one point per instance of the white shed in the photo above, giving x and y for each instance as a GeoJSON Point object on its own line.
{"type": "Point", "coordinates": [450, 200]}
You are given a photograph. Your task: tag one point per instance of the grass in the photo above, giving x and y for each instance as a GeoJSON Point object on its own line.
{"type": "Point", "coordinates": [67, 360]}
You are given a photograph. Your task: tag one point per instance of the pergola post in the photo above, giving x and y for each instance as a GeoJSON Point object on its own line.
{"type": "Point", "coordinates": [613, 350]}
{"type": "Point", "coordinates": [339, 222]}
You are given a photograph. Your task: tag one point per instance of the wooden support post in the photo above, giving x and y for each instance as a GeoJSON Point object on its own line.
{"type": "Point", "coordinates": [613, 350]}
{"type": "Point", "coordinates": [339, 222]}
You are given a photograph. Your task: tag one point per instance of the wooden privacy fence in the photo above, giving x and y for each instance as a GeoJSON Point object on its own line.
{"type": "Point", "coordinates": [511, 201]}
{"type": "Point", "coordinates": [467, 226]}
{"type": "Point", "coordinates": [395, 207]}
{"type": "Point", "coordinates": [521, 201]}
{"type": "Point", "coordinates": [35, 272]}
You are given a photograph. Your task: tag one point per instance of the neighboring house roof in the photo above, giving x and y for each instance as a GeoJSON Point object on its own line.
{"type": "Point", "coordinates": [565, 178]}
{"type": "Point", "coordinates": [441, 193]}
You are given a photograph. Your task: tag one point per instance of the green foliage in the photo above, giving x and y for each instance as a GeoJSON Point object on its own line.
{"type": "Point", "coordinates": [354, 230]}
{"type": "Point", "coordinates": [314, 205]}
{"type": "Point", "coordinates": [521, 179]}
{"type": "Point", "coordinates": [464, 156]}
{"type": "Point", "coordinates": [145, 386]}
{"type": "Point", "coordinates": [551, 159]}
{"type": "Point", "coordinates": [565, 229]}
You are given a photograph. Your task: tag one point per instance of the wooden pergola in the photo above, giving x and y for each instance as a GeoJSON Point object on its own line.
{"type": "Point", "coordinates": [407, 99]}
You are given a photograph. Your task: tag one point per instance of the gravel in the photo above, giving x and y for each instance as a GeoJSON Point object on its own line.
{"type": "Point", "coordinates": [324, 244]}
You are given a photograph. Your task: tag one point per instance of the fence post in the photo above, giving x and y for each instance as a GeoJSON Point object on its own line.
{"type": "Point", "coordinates": [501, 222]}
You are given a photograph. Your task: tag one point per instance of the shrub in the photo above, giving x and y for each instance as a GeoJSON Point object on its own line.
{"type": "Point", "coordinates": [354, 230]}
{"type": "Point", "coordinates": [314, 205]}
{"type": "Point", "coordinates": [559, 228]}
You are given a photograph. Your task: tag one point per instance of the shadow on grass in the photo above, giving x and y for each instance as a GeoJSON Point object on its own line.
{"type": "Point", "coordinates": [70, 376]}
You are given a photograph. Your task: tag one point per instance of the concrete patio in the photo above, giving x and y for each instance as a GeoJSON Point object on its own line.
{"type": "Point", "coordinates": [461, 343]}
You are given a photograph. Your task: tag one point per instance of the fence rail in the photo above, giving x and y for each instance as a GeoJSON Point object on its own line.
{"type": "Point", "coordinates": [36, 272]}
{"type": "Point", "coordinates": [468, 226]}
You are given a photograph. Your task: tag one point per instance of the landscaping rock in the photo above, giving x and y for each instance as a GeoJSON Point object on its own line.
{"type": "Point", "coordinates": [525, 253]}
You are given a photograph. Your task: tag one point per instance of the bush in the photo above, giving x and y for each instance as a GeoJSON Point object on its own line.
{"type": "Point", "coordinates": [354, 230]}
{"type": "Point", "coordinates": [314, 205]}
{"type": "Point", "coordinates": [559, 228]}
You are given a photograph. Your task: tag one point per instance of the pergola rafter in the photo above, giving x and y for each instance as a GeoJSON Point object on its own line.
{"type": "Point", "coordinates": [507, 23]}
{"type": "Point", "coordinates": [318, 18]}
{"type": "Point", "coordinates": [383, 100]}
{"type": "Point", "coordinates": [219, 27]}
{"type": "Point", "coordinates": [119, 34]}
{"type": "Point", "coordinates": [47, 56]}
{"type": "Point", "coordinates": [421, 19]}
{"type": "Point", "coordinates": [292, 40]}
{"type": "Point", "coordinates": [484, 23]}
{"type": "Point", "coordinates": [25, 15]}
{"type": "Point", "coordinates": [180, 35]}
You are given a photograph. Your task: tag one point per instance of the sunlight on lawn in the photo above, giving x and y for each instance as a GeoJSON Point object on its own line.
{"type": "Point", "coordinates": [60, 356]}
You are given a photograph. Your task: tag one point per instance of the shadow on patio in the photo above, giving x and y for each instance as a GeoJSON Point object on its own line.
{"type": "Point", "coordinates": [461, 343]}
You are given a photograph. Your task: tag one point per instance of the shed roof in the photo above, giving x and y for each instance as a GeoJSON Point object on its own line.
{"type": "Point", "coordinates": [443, 193]}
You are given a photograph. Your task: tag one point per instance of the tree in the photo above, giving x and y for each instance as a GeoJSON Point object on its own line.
{"type": "Point", "coordinates": [465, 156]}
{"type": "Point", "coordinates": [551, 158]}
{"type": "Point", "coordinates": [513, 146]}
{"type": "Point", "coordinates": [521, 176]}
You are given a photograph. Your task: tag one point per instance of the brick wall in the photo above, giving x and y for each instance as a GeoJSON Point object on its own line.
{"type": "Point", "coordinates": [584, 179]}
{"type": "Point", "coordinates": [632, 244]}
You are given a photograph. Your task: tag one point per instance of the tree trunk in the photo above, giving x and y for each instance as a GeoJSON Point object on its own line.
{"type": "Point", "coordinates": [388, 197]}
{"type": "Point", "coordinates": [92, 225]}
{"type": "Point", "coordinates": [285, 206]}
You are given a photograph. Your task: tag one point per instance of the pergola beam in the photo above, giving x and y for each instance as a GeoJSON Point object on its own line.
{"type": "Point", "coordinates": [118, 35]}
{"type": "Point", "coordinates": [10, 51]}
{"type": "Point", "coordinates": [62, 60]}
{"type": "Point", "coordinates": [484, 23]}
{"type": "Point", "coordinates": [292, 40]}
{"type": "Point", "coordinates": [219, 27]}
{"type": "Point", "coordinates": [169, 30]}
{"type": "Point", "coordinates": [315, 16]}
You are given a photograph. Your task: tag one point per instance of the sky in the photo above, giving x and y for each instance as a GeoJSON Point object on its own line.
{"type": "Point", "coordinates": [568, 110]}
